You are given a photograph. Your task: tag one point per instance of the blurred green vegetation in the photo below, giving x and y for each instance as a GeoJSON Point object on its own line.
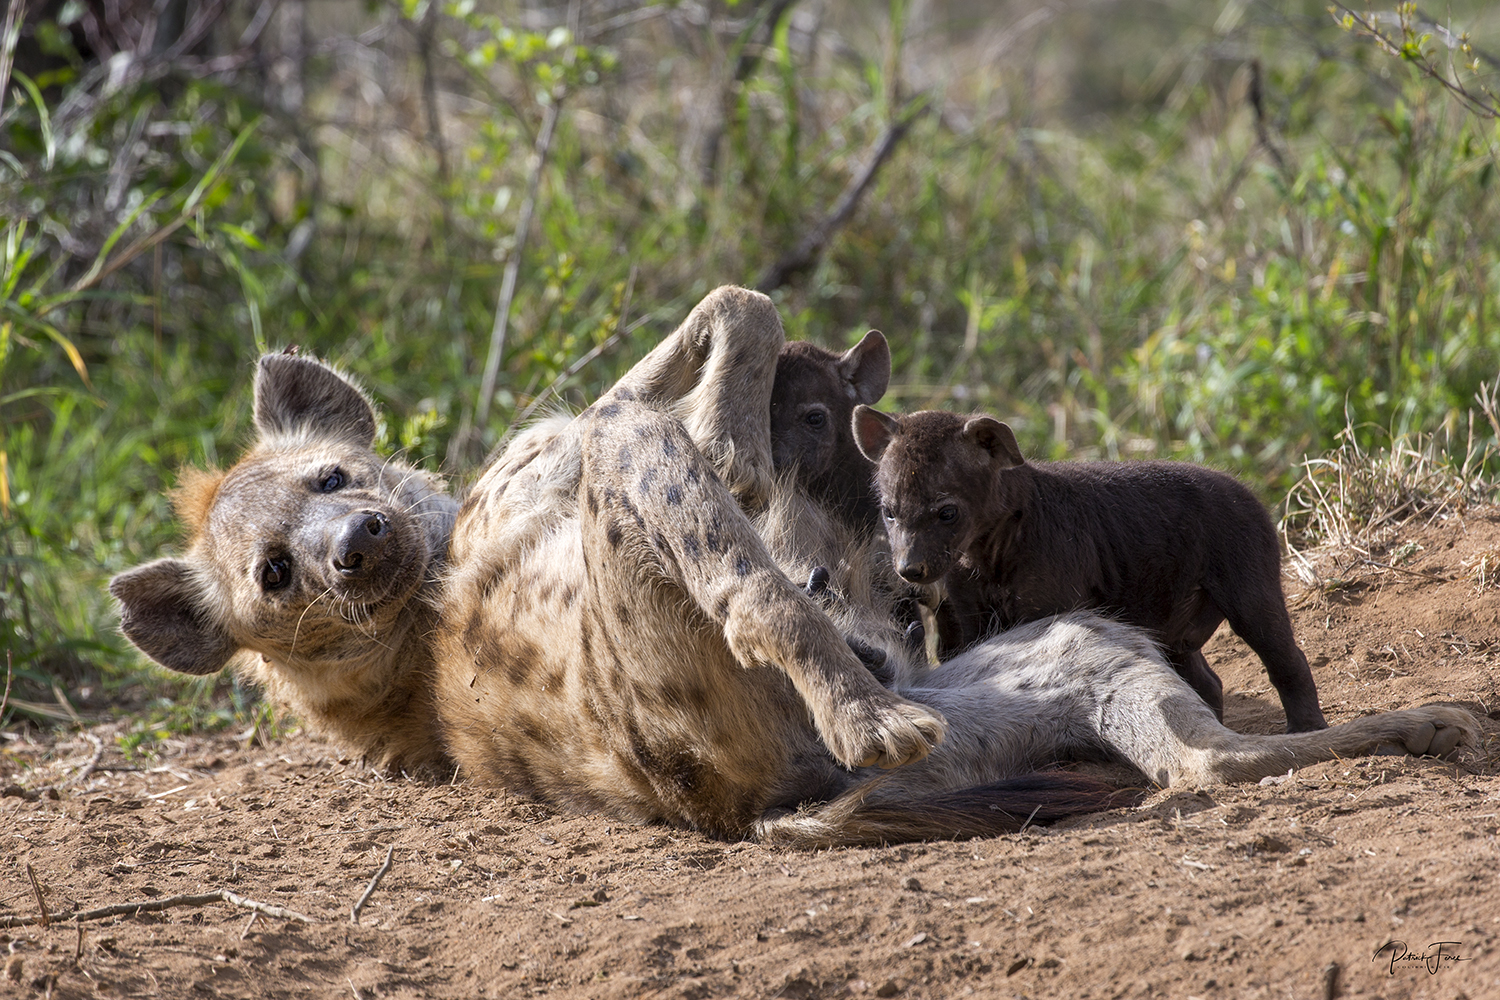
{"type": "Point", "coordinates": [1219, 232]}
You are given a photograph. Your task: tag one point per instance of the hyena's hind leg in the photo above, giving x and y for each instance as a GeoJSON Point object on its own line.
{"type": "Point", "coordinates": [715, 373]}
{"type": "Point", "coordinates": [1152, 718]}
{"type": "Point", "coordinates": [669, 522]}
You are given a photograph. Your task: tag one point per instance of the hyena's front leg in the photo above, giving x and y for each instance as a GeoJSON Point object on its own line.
{"type": "Point", "coordinates": [714, 373]}
{"type": "Point", "coordinates": [668, 522]}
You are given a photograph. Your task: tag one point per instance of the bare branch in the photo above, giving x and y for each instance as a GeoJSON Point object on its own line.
{"type": "Point", "coordinates": [747, 57]}
{"type": "Point", "coordinates": [807, 251]}
{"type": "Point", "coordinates": [1408, 48]}
{"type": "Point", "coordinates": [467, 438]}
{"type": "Point", "coordinates": [621, 332]}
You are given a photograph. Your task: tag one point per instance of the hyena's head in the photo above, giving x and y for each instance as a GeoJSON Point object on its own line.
{"type": "Point", "coordinates": [812, 400]}
{"type": "Point", "coordinates": [941, 479]}
{"type": "Point", "coordinates": [310, 551]}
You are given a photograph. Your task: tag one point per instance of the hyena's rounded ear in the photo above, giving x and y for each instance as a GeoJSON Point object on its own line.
{"type": "Point", "coordinates": [997, 439]}
{"type": "Point", "coordinates": [162, 612]}
{"type": "Point", "coordinates": [873, 431]}
{"type": "Point", "coordinates": [866, 367]}
{"type": "Point", "coordinates": [302, 397]}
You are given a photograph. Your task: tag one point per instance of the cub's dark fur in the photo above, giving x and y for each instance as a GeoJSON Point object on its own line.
{"type": "Point", "coordinates": [812, 401]}
{"type": "Point", "coordinates": [812, 440]}
{"type": "Point", "coordinates": [1170, 547]}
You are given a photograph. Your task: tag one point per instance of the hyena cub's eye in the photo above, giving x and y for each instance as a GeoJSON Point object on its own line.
{"type": "Point", "coordinates": [948, 514]}
{"type": "Point", "coordinates": [333, 481]}
{"type": "Point", "coordinates": [276, 573]}
{"type": "Point", "coordinates": [817, 420]}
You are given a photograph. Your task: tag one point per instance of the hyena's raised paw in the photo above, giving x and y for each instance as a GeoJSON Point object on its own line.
{"type": "Point", "coordinates": [1434, 731]}
{"type": "Point", "coordinates": [883, 732]}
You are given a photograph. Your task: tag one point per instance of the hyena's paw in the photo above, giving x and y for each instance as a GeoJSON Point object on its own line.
{"type": "Point", "coordinates": [883, 732]}
{"type": "Point", "coordinates": [1435, 731]}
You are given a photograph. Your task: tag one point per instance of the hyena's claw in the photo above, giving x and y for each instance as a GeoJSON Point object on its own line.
{"type": "Point", "coordinates": [817, 581]}
{"type": "Point", "coordinates": [886, 736]}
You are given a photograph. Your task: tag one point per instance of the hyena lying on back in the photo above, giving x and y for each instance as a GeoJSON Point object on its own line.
{"type": "Point", "coordinates": [616, 628]}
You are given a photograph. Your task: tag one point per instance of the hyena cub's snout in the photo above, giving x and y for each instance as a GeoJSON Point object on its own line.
{"type": "Point", "coordinates": [915, 571]}
{"type": "Point", "coordinates": [359, 543]}
{"type": "Point", "coordinates": [918, 560]}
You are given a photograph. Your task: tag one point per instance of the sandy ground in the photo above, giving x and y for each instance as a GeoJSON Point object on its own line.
{"type": "Point", "coordinates": [1374, 877]}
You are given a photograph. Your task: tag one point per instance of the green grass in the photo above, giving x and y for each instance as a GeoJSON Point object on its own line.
{"type": "Point", "coordinates": [1089, 235]}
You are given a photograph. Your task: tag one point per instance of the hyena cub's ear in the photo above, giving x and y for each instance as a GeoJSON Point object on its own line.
{"type": "Point", "coordinates": [162, 612]}
{"type": "Point", "coordinates": [302, 397]}
{"type": "Point", "coordinates": [997, 439]}
{"type": "Point", "coordinates": [866, 368]}
{"type": "Point", "coordinates": [873, 431]}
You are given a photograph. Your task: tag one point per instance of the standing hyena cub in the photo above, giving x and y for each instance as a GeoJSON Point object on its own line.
{"type": "Point", "coordinates": [1166, 546]}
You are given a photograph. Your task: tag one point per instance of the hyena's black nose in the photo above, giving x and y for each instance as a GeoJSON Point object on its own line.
{"type": "Point", "coordinates": [360, 541]}
{"type": "Point", "coordinates": [912, 571]}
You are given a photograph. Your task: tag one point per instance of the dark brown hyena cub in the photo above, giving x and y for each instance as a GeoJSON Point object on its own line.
{"type": "Point", "coordinates": [812, 439]}
{"type": "Point", "coordinates": [1169, 547]}
{"type": "Point", "coordinates": [812, 402]}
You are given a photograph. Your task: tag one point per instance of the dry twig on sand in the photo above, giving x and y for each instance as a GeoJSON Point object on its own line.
{"type": "Point", "coordinates": [152, 905]}
{"type": "Point", "coordinates": [364, 898]}
{"type": "Point", "coordinates": [44, 918]}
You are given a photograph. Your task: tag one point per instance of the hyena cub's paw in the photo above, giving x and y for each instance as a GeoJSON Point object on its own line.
{"type": "Point", "coordinates": [1435, 731]}
{"type": "Point", "coordinates": [885, 733]}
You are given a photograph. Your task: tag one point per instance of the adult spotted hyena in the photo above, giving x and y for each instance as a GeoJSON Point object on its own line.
{"type": "Point", "coordinates": [312, 565]}
{"type": "Point", "coordinates": [615, 628]}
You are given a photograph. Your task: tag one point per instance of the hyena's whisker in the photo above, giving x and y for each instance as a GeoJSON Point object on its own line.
{"type": "Point", "coordinates": [298, 628]}
{"type": "Point", "coordinates": [412, 510]}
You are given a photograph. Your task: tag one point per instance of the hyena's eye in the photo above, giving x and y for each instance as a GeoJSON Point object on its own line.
{"type": "Point", "coordinates": [336, 479]}
{"type": "Point", "coordinates": [948, 514]}
{"type": "Point", "coordinates": [276, 573]}
{"type": "Point", "coordinates": [817, 419]}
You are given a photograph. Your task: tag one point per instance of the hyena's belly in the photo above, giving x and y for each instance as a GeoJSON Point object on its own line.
{"type": "Point", "coordinates": [603, 693]}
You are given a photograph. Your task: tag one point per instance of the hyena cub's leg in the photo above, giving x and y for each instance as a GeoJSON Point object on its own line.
{"type": "Point", "coordinates": [715, 374]}
{"type": "Point", "coordinates": [670, 522]}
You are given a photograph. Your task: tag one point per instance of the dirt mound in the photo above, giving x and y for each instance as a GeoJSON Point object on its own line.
{"type": "Point", "coordinates": [1372, 877]}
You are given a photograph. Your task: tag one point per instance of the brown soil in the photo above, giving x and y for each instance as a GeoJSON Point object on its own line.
{"type": "Point", "coordinates": [1283, 889]}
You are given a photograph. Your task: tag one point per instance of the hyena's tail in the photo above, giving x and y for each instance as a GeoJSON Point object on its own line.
{"type": "Point", "coordinates": [862, 816]}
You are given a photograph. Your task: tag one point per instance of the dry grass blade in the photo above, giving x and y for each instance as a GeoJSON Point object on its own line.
{"type": "Point", "coordinates": [1357, 501]}
{"type": "Point", "coordinates": [88, 767]}
{"type": "Point", "coordinates": [9, 674]}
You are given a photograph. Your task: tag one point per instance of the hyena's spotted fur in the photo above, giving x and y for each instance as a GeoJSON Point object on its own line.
{"type": "Point", "coordinates": [616, 629]}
